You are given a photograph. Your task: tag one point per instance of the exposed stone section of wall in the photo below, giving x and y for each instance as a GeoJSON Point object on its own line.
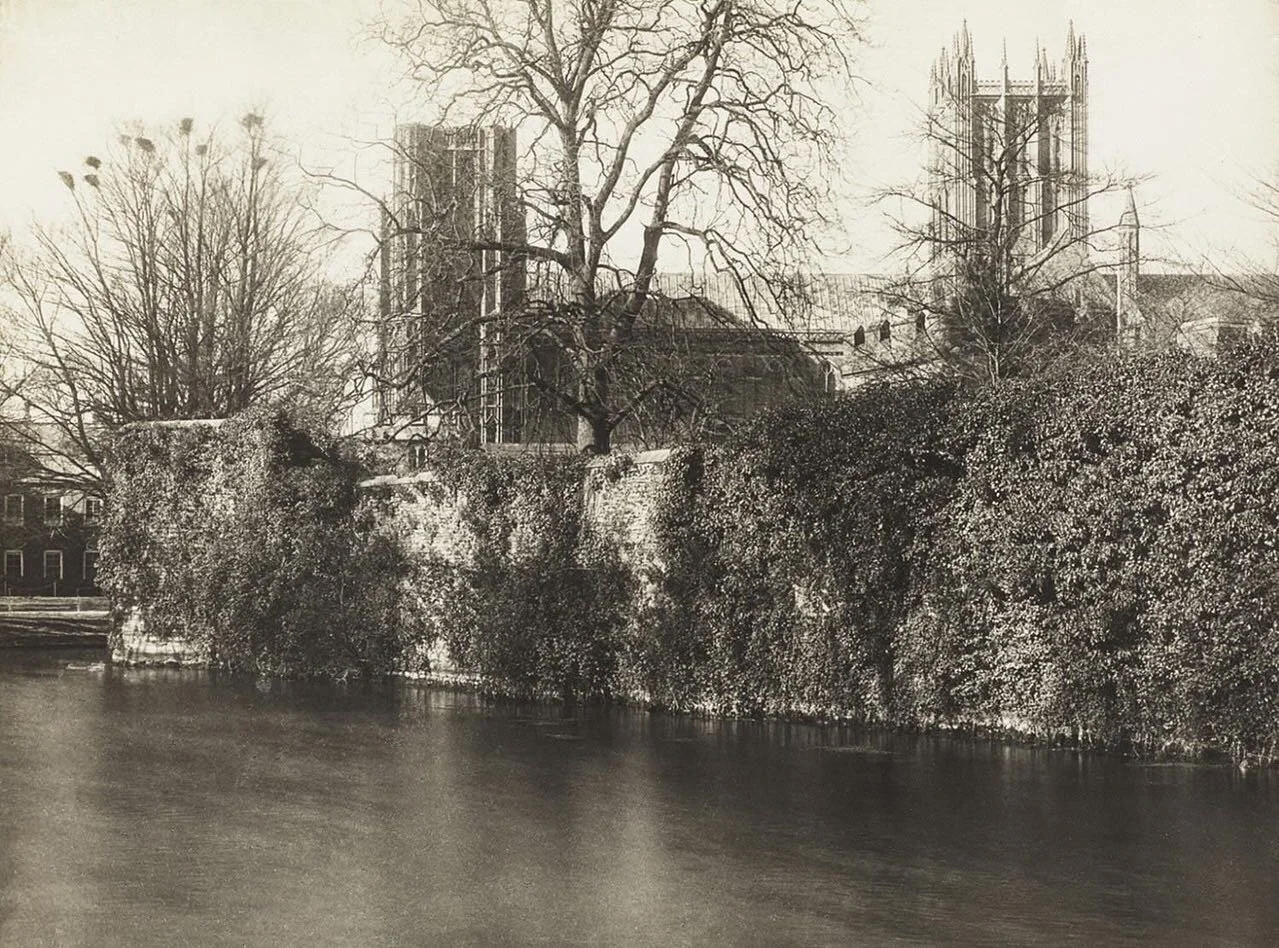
{"type": "Point", "coordinates": [427, 515]}
{"type": "Point", "coordinates": [134, 645]}
{"type": "Point", "coordinates": [621, 494]}
{"type": "Point", "coordinates": [620, 504]}
{"type": "Point", "coordinates": [428, 519]}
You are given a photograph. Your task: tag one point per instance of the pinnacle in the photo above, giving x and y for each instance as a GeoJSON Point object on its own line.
{"type": "Point", "coordinates": [1129, 216]}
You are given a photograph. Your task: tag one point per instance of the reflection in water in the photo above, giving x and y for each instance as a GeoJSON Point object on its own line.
{"type": "Point", "coordinates": [178, 808]}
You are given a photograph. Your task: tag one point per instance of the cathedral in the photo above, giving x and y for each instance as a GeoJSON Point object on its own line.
{"type": "Point", "coordinates": [1008, 186]}
{"type": "Point", "coordinates": [1008, 152]}
{"type": "Point", "coordinates": [446, 275]}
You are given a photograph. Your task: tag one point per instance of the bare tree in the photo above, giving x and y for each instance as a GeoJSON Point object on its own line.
{"type": "Point", "coordinates": [644, 125]}
{"type": "Point", "coordinates": [188, 285]}
{"type": "Point", "coordinates": [1005, 269]}
{"type": "Point", "coordinates": [1248, 290]}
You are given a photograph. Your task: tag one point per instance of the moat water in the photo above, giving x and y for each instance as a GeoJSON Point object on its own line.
{"type": "Point", "coordinates": [167, 808]}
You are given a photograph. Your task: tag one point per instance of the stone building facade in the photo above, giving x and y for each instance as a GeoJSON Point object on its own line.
{"type": "Point", "coordinates": [49, 541]}
{"type": "Point", "coordinates": [48, 534]}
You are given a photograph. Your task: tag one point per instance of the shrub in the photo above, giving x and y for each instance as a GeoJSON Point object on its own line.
{"type": "Point", "coordinates": [1106, 567]}
{"type": "Point", "coordinates": [789, 550]}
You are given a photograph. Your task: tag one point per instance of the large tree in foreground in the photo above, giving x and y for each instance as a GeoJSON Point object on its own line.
{"type": "Point", "coordinates": [642, 126]}
{"type": "Point", "coordinates": [186, 285]}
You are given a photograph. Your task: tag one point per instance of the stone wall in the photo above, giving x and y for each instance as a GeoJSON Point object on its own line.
{"type": "Point", "coordinates": [428, 520]}
{"type": "Point", "coordinates": [620, 504]}
{"type": "Point", "coordinates": [134, 645]}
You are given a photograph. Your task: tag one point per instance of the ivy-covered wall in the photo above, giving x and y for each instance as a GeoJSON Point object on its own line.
{"type": "Point", "coordinates": [1108, 567]}
{"type": "Point", "coordinates": [244, 539]}
{"type": "Point", "coordinates": [501, 573]}
{"type": "Point", "coordinates": [1092, 558]}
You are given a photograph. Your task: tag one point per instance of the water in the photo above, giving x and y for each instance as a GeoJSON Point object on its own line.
{"type": "Point", "coordinates": [166, 808]}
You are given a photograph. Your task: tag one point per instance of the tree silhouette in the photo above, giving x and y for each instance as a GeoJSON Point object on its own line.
{"type": "Point", "coordinates": [709, 127]}
{"type": "Point", "coordinates": [188, 285]}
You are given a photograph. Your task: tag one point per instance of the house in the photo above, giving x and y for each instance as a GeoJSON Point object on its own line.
{"type": "Point", "coordinates": [48, 535]}
{"type": "Point", "coordinates": [49, 541]}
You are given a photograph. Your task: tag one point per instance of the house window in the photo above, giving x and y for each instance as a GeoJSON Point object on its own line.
{"type": "Point", "coordinates": [13, 508]}
{"type": "Point", "coordinates": [52, 564]}
{"type": "Point", "coordinates": [90, 566]}
{"type": "Point", "coordinates": [921, 321]}
{"type": "Point", "coordinates": [92, 509]}
{"type": "Point", "coordinates": [859, 337]}
{"type": "Point", "coordinates": [885, 331]}
{"type": "Point", "coordinates": [53, 510]}
{"type": "Point", "coordinates": [13, 563]}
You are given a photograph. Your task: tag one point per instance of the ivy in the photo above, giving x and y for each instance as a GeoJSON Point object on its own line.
{"type": "Point", "coordinates": [511, 586]}
{"type": "Point", "coordinates": [1092, 558]}
{"type": "Point", "coordinates": [244, 538]}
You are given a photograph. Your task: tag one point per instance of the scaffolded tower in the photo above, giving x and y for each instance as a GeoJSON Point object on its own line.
{"type": "Point", "coordinates": [450, 271]}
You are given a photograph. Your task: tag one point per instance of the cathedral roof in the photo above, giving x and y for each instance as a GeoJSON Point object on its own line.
{"type": "Point", "coordinates": [816, 303]}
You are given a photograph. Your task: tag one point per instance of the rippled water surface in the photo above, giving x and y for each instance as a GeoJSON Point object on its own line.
{"type": "Point", "coordinates": [166, 808]}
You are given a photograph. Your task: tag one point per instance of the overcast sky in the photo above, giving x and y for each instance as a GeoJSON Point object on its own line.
{"type": "Point", "coordinates": [1187, 93]}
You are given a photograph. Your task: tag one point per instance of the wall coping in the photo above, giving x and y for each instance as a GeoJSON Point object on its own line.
{"type": "Point", "coordinates": [395, 480]}
{"type": "Point", "coordinates": [655, 456]}
{"type": "Point", "coordinates": [178, 423]}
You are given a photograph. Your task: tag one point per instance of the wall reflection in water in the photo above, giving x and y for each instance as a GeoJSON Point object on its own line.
{"type": "Point", "coordinates": [178, 808]}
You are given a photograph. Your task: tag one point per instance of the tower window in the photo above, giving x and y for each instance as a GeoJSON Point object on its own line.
{"type": "Point", "coordinates": [885, 331]}
{"type": "Point", "coordinates": [859, 337]}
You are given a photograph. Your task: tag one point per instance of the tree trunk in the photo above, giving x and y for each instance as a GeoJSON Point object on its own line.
{"type": "Point", "coordinates": [594, 435]}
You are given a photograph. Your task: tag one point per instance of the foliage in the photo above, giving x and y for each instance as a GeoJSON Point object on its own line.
{"type": "Point", "coordinates": [1106, 569]}
{"type": "Point", "coordinates": [508, 582]}
{"type": "Point", "coordinates": [186, 284]}
{"type": "Point", "coordinates": [786, 563]}
{"type": "Point", "coordinates": [243, 537]}
{"type": "Point", "coordinates": [1095, 559]}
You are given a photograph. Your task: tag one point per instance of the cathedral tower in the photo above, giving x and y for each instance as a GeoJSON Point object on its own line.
{"type": "Point", "coordinates": [445, 282]}
{"type": "Point", "coordinates": [1010, 152]}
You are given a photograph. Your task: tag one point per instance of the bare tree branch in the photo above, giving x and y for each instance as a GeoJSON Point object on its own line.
{"type": "Point", "coordinates": [187, 286]}
{"type": "Point", "coordinates": [1014, 279]}
{"type": "Point", "coordinates": [713, 123]}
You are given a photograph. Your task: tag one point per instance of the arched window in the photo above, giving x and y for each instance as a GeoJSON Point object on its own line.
{"type": "Point", "coordinates": [830, 377]}
{"type": "Point", "coordinates": [859, 337]}
{"type": "Point", "coordinates": [885, 331]}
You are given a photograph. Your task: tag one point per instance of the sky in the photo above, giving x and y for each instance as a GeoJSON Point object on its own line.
{"type": "Point", "coordinates": [1185, 95]}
